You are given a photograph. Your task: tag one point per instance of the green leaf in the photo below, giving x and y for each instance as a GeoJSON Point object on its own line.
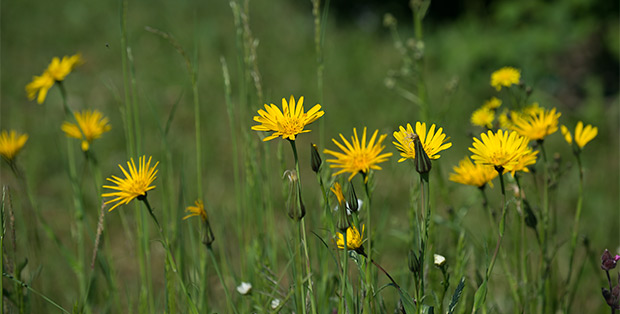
{"type": "Point", "coordinates": [480, 296]}
{"type": "Point", "coordinates": [456, 296]}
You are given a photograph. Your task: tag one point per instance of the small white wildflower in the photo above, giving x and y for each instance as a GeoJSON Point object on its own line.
{"type": "Point", "coordinates": [439, 260]}
{"type": "Point", "coordinates": [244, 288]}
{"type": "Point", "coordinates": [275, 303]}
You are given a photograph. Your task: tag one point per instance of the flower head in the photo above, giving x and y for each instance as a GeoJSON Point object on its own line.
{"type": "Point", "coordinates": [337, 190]}
{"type": "Point", "coordinates": [354, 239]}
{"type": "Point", "coordinates": [483, 117]}
{"type": "Point", "coordinates": [91, 124]}
{"type": "Point", "coordinates": [506, 76]}
{"type": "Point", "coordinates": [526, 159]}
{"type": "Point", "coordinates": [286, 123]}
{"type": "Point", "coordinates": [244, 288]}
{"type": "Point", "coordinates": [538, 125]}
{"type": "Point", "coordinates": [358, 156]}
{"type": "Point", "coordinates": [135, 184]}
{"type": "Point", "coordinates": [492, 103]}
{"type": "Point", "coordinates": [40, 84]}
{"type": "Point", "coordinates": [11, 143]}
{"type": "Point", "coordinates": [473, 174]}
{"type": "Point", "coordinates": [582, 135]}
{"type": "Point", "coordinates": [432, 142]}
{"type": "Point", "coordinates": [501, 150]}
{"type": "Point", "coordinates": [198, 210]}
{"type": "Point", "coordinates": [439, 260]}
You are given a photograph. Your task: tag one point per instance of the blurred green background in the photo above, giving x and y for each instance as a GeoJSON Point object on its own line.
{"type": "Point", "coordinates": [568, 51]}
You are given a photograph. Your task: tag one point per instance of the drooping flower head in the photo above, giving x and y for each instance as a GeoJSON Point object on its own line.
{"type": "Point", "coordinates": [354, 239]}
{"type": "Point", "coordinates": [286, 123]}
{"type": "Point", "coordinates": [11, 143]}
{"type": "Point", "coordinates": [538, 125]}
{"type": "Point", "coordinates": [582, 135]}
{"type": "Point", "coordinates": [91, 124]}
{"type": "Point", "coordinates": [56, 71]}
{"type": "Point", "coordinates": [432, 141]}
{"type": "Point", "coordinates": [501, 150]}
{"type": "Point", "coordinates": [358, 156]}
{"type": "Point", "coordinates": [505, 77]}
{"type": "Point", "coordinates": [469, 173]}
{"type": "Point", "coordinates": [197, 210]}
{"type": "Point", "coordinates": [483, 117]}
{"type": "Point", "coordinates": [135, 184]}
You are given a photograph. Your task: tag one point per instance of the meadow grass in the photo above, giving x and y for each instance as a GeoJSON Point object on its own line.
{"type": "Point", "coordinates": [181, 82]}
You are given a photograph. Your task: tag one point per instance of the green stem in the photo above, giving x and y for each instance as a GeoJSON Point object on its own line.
{"type": "Point", "coordinates": [369, 287]}
{"type": "Point", "coordinates": [426, 213]}
{"type": "Point", "coordinates": [544, 287]}
{"type": "Point", "coordinates": [166, 245]}
{"type": "Point", "coordinates": [219, 275]}
{"type": "Point", "coordinates": [502, 224]}
{"type": "Point", "coordinates": [573, 242]}
{"type": "Point", "coordinates": [345, 261]}
{"type": "Point", "coordinates": [27, 286]}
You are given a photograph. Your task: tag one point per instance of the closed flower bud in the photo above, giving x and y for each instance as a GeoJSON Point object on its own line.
{"type": "Point", "coordinates": [530, 217]}
{"type": "Point", "coordinates": [352, 203]}
{"type": "Point", "coordinates": [608, 262]}
{"type": "Point", "coordinates": [294, 203]}
{"type": "Point", "coordinates": [422, 162]}
{"type": "Point", "coordinates": [414, 263]}
{"type": "Point", "coordinates": [315, 158]}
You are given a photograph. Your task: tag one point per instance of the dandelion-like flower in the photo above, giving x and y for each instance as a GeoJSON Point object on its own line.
{"type": "Point", "coordinates": [337, 190]}
{"type": "Point", "coordinates": [354, 239]}
{"type": "Point", "coordinates": [56, 71]}
{"type": "Point", "coordinates": [492, 103]}
{"type": "Point", "coordinates": [358, 156]}
{"type": "Point", "coordinates": [432, 142]}
{"type": "Point", "coordinates": [506, 76]}
{"type": "Point", "coordinates": [583, 135]}
{"type": "Point", "coordinates": [135, 184]}
{"type": "Point", "coordinates": [286, 123]}
{"type": "Point", "coordinates": [536, 126]}
{"type": "Point", "coordinates": [501, 150]}
{"type": "Point", "coordinates": [527, 158]}
{"type": "Point", "coordinates": [469, 173]}
{"type": "Point", "coordinates": [197, 210]}
{"type": "Point", "coordinates": [91, 124]}
{"type": "Point", "coordinates": [40, 84]}
{"type": "Point", "coordinates": [483, 117]}
{"type": "Point", "coordinates": [11, 143]}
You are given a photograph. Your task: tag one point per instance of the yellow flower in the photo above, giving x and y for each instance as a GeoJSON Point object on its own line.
{"type": "Point", "coordinates": [288, 122]}
{"type": "Point", "coordinates": [40, 84]}
{"type": "Point", "coordinates": [432, 142]}
{"type": "Point", "coordinates": [354, 239]}
{"type": "Point", "coordinates": [526, 159]}
{"type": "Point", "coordinates": [358, 157]}
{"type": "Point", "coordinates": [136, 183]}
{"type": "Point", "coordinates": [198, 210]}
{"type": "Point", "coordinates": [91, 124]}
{"type": "Point", "coordinates": [536, 126]}
{"type": "Point", "coordinates": [505, 121]}
{"type": "Point", "coordinates": [11, 143]}
{"type": "Point", "coordinates": [472, 174]}
{"type": "Point", "coordinates": [483, 117]}
{"type": "Point", "coordinates": [59, 69]}
{"type": "Point", "coordinates": [492, 103]}
{"type": "Point", "coordinates": [337, 190]}
{"type": "Point", "coordinates": [582, 135]}
{"type": "Point", "coordinates": [532, 109]}
{"type": "Point", "coordinates": [501, 150]}
{"type": "Point", "coordinates": [506, 76]}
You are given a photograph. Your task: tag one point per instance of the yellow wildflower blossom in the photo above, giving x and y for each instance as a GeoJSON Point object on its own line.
{"type": "Point", "coordinates": [469, 173]}
{"type": "Point", "coordinates": [11, 143]}
{"type": "Point", "coordinates": [582, 135]}
{"type": "Point", "coordinates": [286, 123]}
{"type": "Point", "coordinates": [135, 184]}
{"type": "Point", "coordinates": [432, 141]}
{"type": "Point", "coordinates": [506, 76]}
{"type": "Point", "coordinates": [354, 239]}
{"type": "Point", "coordinates": [91, 124]}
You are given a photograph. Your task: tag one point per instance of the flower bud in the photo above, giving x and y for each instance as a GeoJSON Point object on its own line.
{"type": "Point", "coordinates": [294, 203]}
{"type": "Point", "coordinates": [422, 162]}
{"type": "Point", "coordinates": [530, 217]}
{"type": "Point", "coordinates": [414, 263]}
{"type": "Point", "coordinates": [315, 158]}
{"type": "Point", "coordinates": [608, 262]}
{"type": "Point", "coordinates": [352, 203]}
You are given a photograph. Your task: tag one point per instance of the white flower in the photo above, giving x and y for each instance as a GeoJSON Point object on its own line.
{"type": "Point", "coordinates": [244, 288]}
{"type": "Point", "coordinates": [275, 303]}
{"type": "Point", "coordinates": [439, 260]}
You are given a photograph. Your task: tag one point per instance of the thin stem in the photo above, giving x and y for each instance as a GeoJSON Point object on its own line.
{"type": "Point", "coordinates": [27, 286]}
{"type": "Point", "coordinates": [501, 224]}
{"type": "Point", "coordinates": [345, 254]}
{"type": "Point", "coordinates": [426, 213]}
{"type": "Point", "coordinates": [573, 243]}
{"type": "Point", "coordinates": [219, 275]}
{"type": "Point", "coordinates": [369, 291]}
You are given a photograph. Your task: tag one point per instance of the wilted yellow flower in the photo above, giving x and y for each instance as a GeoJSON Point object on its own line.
{"type": "Point", "coordinates": [91, 124]}
{"type": "Point", "coordinates": [198, 210]}
{"type": "Point", "coordinates": [526, 159]}
{"type": "Point", "coordinates": [135, 184]}
{"type": "Point", "coordinates": [337, 190]}
{"type": "Point", "coordinates": [11, 143]}
{"type": "Point", "coordinates": [506, 76]}
{"type": "Point", "coordinates": [286, 123]}
{"type": "Point", "coordinates": [483, 117]}
{"type": "Point", "coordinates": [582, 135]}
{"type": "Point", "coordinates": [432, 142]}
{"type": "Point", "coordinates": [358, 156]}
{"type": "Point", "coordinates": [501, 150]}
{"type": "Point", "coordinates": [492, 103]}
{"type": "Point", "coordinates": [354, 239]}
{"type": "Point", "coordinates": [40, 84]}
{"type": "Point", "coordinates": [536, 126]}
{"type": "Point", "coordinates": [59, 69]}
{"type": "Point", "coordinates": [473, 174]}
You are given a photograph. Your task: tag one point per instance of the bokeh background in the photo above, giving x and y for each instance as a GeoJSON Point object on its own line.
{"type": "Point", "coordinates": [568, 52]}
